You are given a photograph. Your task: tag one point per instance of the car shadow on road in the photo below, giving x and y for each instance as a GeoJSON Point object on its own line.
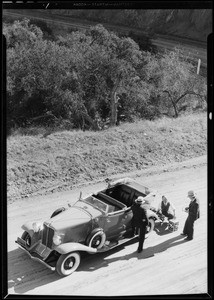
{"type": "Point", "coordinates": [24, 274]}
{"type": "Point", "coordinates": [96, 261]}
{"type": "Point", "coordinates": [102, 260]}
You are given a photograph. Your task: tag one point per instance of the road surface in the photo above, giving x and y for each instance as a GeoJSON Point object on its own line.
{"type": "Point", "coordinates": [168, 264]}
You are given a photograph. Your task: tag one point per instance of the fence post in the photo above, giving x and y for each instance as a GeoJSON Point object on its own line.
{"type": "Point", "coordinates": [199, 64]}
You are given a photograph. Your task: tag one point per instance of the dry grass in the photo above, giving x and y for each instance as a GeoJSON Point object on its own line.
{"type": "Point", "coordinates": [68, 158]}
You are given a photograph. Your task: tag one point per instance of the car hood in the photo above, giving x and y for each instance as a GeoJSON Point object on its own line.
{"type": "Point", "coordinates": [72, 217]}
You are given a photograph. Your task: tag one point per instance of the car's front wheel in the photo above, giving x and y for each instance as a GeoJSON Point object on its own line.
{"type": "Point", "coordinates": [150, 227]}
{"type": "Point", "coordinates": [27, 238]}
{"type": "Point", "coordinates": [68, 263]}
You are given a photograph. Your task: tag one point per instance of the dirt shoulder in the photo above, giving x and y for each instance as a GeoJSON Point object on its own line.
{"type": "Point", "coordinates": [62, 160]}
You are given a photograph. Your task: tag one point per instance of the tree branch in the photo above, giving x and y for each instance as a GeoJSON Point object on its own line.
{"type": "Point", "coordinates": [189, 93]}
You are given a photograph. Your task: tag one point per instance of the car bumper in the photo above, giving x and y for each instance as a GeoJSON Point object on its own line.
{"type": "Point", "coordinates": [38, 252]}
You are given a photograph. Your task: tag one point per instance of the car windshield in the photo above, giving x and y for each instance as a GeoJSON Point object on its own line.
{"type": "Point", "coordinates": [96, 203]}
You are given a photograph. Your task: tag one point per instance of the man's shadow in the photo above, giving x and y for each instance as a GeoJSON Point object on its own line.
{"type": "Point", "coordinates": [151, 251]}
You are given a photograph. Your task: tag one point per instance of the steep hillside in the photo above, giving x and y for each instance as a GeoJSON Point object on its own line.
{"type": "Point", "coordinates": [189, 23]}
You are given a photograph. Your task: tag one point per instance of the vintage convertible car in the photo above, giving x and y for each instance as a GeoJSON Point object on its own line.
{"type": "Point", "coordinates": [93, 224]}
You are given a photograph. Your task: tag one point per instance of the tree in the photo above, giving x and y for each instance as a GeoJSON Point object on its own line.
{"type": "Point", "coordinates": [36, 76]}
{"type": "Point", "coordinates": [174, 78]}
{"type": "Point", "coordinates": [116, 62]}
{"type": "Point", "coordinates": [21, 33]}
{"type": "Point", "coordinates": [105, 65]}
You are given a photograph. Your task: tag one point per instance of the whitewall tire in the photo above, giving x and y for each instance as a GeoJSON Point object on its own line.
{"type": "Point", "coordinates": [68, 263]}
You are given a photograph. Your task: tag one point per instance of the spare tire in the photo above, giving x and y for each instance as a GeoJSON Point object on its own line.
{"type": "Point", "coordinates": [57, 211]}
{"type": "Point", "coordinates": [96, 238]}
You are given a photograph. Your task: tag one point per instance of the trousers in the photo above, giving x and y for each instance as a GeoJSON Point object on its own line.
{"type": "Point", "coordinates": [189, 227]}
{"type": "Point", "coordinates": [168, 215]}
{"type": "Point", "coordinates": [141, 237]}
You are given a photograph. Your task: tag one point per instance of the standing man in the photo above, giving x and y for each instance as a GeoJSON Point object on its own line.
{"type": "Point", "coordinates": [140, 220]}
{"type": "Point", "coordinates": [193, 214]}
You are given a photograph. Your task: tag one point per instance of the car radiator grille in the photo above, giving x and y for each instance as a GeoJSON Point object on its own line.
{"type": "Point", "coordinates": [47, 236]}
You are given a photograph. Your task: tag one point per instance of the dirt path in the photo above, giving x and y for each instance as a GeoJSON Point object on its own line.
{"type": "Point", "coordinates": [168, 264]}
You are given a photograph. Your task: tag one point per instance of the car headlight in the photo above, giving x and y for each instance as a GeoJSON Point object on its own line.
{"type": "Point", "coordinates": [57, 239]}
{"type": "Point", "coordinates": [37, 226]}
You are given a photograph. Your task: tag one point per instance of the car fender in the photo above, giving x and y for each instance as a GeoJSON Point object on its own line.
{"type": "Point", "coordinates": [28, 227]}
{"type": "Point", "coordinates": [70, 247]}
{"type": "Point", "coordinates": [152, 214]}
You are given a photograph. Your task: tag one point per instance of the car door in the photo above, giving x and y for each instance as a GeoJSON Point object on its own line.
{"type": "Point", "coordinates": [117, 222]}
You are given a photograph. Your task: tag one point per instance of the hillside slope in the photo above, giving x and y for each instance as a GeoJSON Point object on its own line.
{"type": "Point", "coordinates": [187, 23]}
{"type": "Point", "coordinates": [192, 24]}
{"type": "Point", "coordinates": [68, 158]}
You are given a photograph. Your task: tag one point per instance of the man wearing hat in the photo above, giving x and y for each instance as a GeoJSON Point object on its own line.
{"type": "Point", "coordinates": [193, 214]}
{"type": "Point", "coordinates": [140, 220]}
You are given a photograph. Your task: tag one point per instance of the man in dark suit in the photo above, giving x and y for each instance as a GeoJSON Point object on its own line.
{"type": "Point", "coordinates": [140, 220]}
{"type": "Point", "coordinates": [193, 214]}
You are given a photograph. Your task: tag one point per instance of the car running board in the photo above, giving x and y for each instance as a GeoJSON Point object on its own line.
{"type": "Point", "coordinates": [110, 245]}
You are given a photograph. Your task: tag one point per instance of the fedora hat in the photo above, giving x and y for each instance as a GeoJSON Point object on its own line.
{"type": "Point", "coordinates": [140, 200]}
{"type": "Point", "coordinates": [191, 194]}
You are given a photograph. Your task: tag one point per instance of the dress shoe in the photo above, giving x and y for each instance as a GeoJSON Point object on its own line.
{"type": "Point", "coordinates": [182, 233]}
{"type": "Point", "coordinates": [139, 250]}
{"type": "Point", "coordinates": [188, 239]}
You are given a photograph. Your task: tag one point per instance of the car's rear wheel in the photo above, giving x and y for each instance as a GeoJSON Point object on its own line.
{"type": "Point", "coordinates": [96, 239]}
{"type": "Point", "coordinates": [68, 263]}
{"type": "Point", "coordinates": [150, 227]}
{"type": "Point", "coordinates": [27, 238]}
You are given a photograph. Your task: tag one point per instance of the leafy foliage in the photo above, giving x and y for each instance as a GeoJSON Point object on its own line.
{"type": "Point", "coordinates": [90, 78]}
{"type": "Point", "coordinates": [22, 33]}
